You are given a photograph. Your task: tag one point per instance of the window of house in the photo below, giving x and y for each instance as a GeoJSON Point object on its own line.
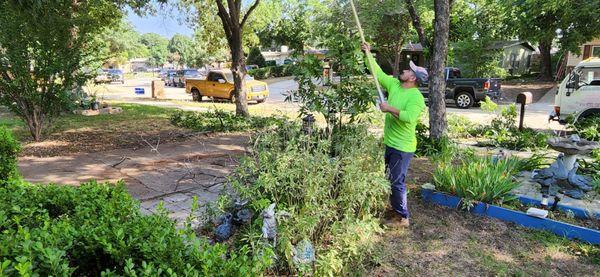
{"type": "Point", "coordinates": [596, 51]}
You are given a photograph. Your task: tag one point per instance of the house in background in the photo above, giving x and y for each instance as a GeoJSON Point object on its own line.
{"type": "Point", "coordinates": [570, 60]}
{"type": "Point", "coordinates": [516, 57]}
{"type": "Point", "coordinates": [588, 50]}
{"type": "Point", "coordinates": [410, 52]}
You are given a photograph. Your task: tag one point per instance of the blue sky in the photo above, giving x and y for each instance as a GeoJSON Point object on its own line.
{"type": "Point", "coordinates": [165, 22]}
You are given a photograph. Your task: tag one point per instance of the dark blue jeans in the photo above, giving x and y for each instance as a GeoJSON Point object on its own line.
{"type": "Point", "coordinates": [396, 167]}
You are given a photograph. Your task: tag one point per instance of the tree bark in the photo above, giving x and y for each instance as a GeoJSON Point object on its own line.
{"type": "Point", "coordinates": [545, 60]}
{"type": "Point", "coordinates": [416, 22]}
{"type": "Point", "coordinates": [238, 68]}
{"type": "Point", "coordinates": [230, 18]}
{"type": "Point", "coordinates": [437, 84]}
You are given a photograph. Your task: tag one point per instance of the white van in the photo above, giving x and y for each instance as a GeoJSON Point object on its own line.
{"type": "Point", "coordinates": [579, 92]}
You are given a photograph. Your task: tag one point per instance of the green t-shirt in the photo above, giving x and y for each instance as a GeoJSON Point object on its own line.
{"type": "Point", "coordinates": [399, 132]}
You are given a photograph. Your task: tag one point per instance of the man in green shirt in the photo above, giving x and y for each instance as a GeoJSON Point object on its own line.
{"type": "Point", "coordinates": [403, 108]}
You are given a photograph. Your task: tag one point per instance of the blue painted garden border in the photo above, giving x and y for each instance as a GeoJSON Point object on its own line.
{"type": "Point", "coordinates": [578, 212]}
{"type": "Point", "coordinates": [559, 228]}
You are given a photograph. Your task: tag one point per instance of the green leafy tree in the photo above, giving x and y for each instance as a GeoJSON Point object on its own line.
{"type": "Point", "coordinates": [182, 48]}
{"type": "Point", "coordinates": [234, 18]}
{"type": "Point", "coordinates": [255, 57]}
{"type": "Point", "coordinates": [572, 22]}
{"type": "Point", "coordinates": [123, 43]}
{"type": "Point", "coordinates": [157, 47]}
{"type": "Point", "coordinates": [45, 45]}
{"type": "Point", "coordinates": [336, 101]}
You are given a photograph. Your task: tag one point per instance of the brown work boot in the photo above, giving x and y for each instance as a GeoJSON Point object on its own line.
{"type": "Point", "coordinates": [396, 221]}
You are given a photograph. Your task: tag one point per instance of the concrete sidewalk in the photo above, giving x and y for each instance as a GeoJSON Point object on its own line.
{"type": "Point", "coordinates": [173, 173]}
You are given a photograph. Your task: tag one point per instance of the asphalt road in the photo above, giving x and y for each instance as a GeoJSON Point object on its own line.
{"type": "Point", "coordinates": [536, 115]}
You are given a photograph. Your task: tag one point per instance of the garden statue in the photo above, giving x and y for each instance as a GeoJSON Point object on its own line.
{"type": "Point", "coordinates": [563, 172]}
{"type": "Point", "coordinates": [224, 230]}
{"type": "Point", "coordinates": [269, 228]}
{"type": "Point", "coordinates": [241, 215]}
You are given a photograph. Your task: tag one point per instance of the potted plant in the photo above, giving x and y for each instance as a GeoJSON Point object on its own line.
{"type": "Point", "coordinates": [94, 104]}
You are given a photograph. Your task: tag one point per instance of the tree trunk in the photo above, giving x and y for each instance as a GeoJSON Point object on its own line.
{"type": "Point", "coordinates": [238, 68]}
{"type": "Point", "coordinates": [416, 22]}
{"type": "Point", "coordinates": [545, 60]}
{"type": "Point", "coordinates": [437, 84]}
{"type": "Point", "coordinates": [397, 58]}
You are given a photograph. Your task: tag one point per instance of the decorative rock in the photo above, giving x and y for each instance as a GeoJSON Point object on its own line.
{"type": "Point", "coordinates": [303, 253]}
{"type": "Point", "coordinates": [224, 231]}
{"type": "Point", "coordinates": [243, 216]}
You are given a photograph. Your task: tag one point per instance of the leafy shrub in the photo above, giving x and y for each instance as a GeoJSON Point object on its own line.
{"type": "Point", "coordinates": [503, 132]}
{"type": "Point", "coordinates": [255, 57]}
{"type": "Point", "coordinates": [272, 71]}
{"type": "Point", "coordinates": [9, 149]}
{"type": "Point", "coordinates": [587, 128]}
{"type": "Point", "coordinates": [221, 121]}
{"type": "Point", "coordinates": [334, 201]}
{"type": "Point", "coordinates": [477, 178]}
{"type": "Point", "coordinates": [461, 127]}
{"type": "Point", "coordinates": [427, 146]}
{"type": "Point", "coordinates": [93, 229]}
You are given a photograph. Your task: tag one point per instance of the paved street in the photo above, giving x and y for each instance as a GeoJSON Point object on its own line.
{"type": "Point", "coordinates": [536, 115]}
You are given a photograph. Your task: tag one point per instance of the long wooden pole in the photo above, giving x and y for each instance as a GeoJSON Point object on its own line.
{"type": "Point", "coordinates": [362, 38]}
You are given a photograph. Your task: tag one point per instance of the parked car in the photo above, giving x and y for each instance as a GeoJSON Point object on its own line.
{"type": "Point", "coordinates": [101, 77]}
{"type": "Point", "coordinates": [170, 77]}
{"type": "Point", "coordinates": [219, 84]}
{"type": "Point", "coordinates": [579, 93]}
{"type": "Point", "coordinates": [182, 75]}
{"type": "Point", "coordinates": [116, 75]}
{"type": "Point", "coordinates": [466, 92]}
{"type": "Point", "coordinates": [251, 66]}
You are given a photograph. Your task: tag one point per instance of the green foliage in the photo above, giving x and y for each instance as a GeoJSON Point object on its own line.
{"type": "Point", "coordinates": [157, 47]}
{"type": "Point", "coordinates": [333, 202]}
{"type": "Point", "coordinates": [461, 127]}
{"type": "Point", "coordinates": [476, 60]}
{"type": "Point", "coordinates": [587, 128]}
{"type": "Point", "coordinates": [48, 50]}
{"type": "Point", "coordinates": [429, 147]}
{"type": "Point", "coordinates": [98, 229]}
{"type": "Point", "coordinates": [272, 71]}
{"type": "Point", "coordinates": [255, 57]}
{"type": "Point", "coordinates": [336, 101]}
{"type": "Point", "coordinates": [477, 178]}
{"type": "Point", "coordinates": [123, 43]}
{"type": "Point", "coordinates": [222, 121]}
{"type": "Point", "coordinates": [503, 132]}
{"type": "Point", "coordinates": [9, 149]}
{"type": "Point", "coordinates": [182, 51]}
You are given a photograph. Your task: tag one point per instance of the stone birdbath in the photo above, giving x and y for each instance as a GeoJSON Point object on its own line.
{"type": "Point", "coordinates": [572, 147]}
{"type": "Point", "coordinates": [563, 172]}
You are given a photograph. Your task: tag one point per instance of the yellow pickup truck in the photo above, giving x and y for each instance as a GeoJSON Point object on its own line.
{"type": "Point", "coordinates": [218, 84]}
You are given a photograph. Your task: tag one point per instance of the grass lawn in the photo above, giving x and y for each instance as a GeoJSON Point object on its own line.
{"type": "Point", "coordinates": [76, 133]}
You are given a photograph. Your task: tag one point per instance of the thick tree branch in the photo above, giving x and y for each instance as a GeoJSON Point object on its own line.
{"type": "Point", "coordinates": [249, 12]}
{"type": "Point", "coordinates": [225, 18]}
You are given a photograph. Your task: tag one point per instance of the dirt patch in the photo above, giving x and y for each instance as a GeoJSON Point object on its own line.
{"type": "Point", "coordinates": [66, 143]}
{"type": "Point", "coordinates": [447, 242]}
{"type": "Point", "coordinates": [510, 89]}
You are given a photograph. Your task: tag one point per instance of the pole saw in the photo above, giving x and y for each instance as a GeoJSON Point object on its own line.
{"type": "Point", "coordinates": [362, 38]}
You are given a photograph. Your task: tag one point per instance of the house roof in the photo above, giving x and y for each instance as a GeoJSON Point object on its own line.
{"type": "Point", "coordinates": [510, 43]}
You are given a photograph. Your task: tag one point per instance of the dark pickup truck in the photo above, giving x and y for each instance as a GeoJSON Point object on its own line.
{"type": "Point", "coordinates": [466, 92]}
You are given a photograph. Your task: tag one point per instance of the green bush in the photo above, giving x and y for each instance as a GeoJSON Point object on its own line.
{"type": "Point", "coordinates": [272, 71]}
{"type": "Point", "coordinates": [9, 149]}
{"type": "Point", "coordinates": [476, 178]}
{"type": "Point", "coordinates": [98, 229]}
{"type": "Point", "coordinates": [221, 121]}
{"type": "Point", "coordinates": [503, 131]}
{"type": "Point", "coordinates": [587, 128]}
{"type": "Point", "coordinates": [255, 57]}
{"type": "Point", "coordinates": [334, 201]}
